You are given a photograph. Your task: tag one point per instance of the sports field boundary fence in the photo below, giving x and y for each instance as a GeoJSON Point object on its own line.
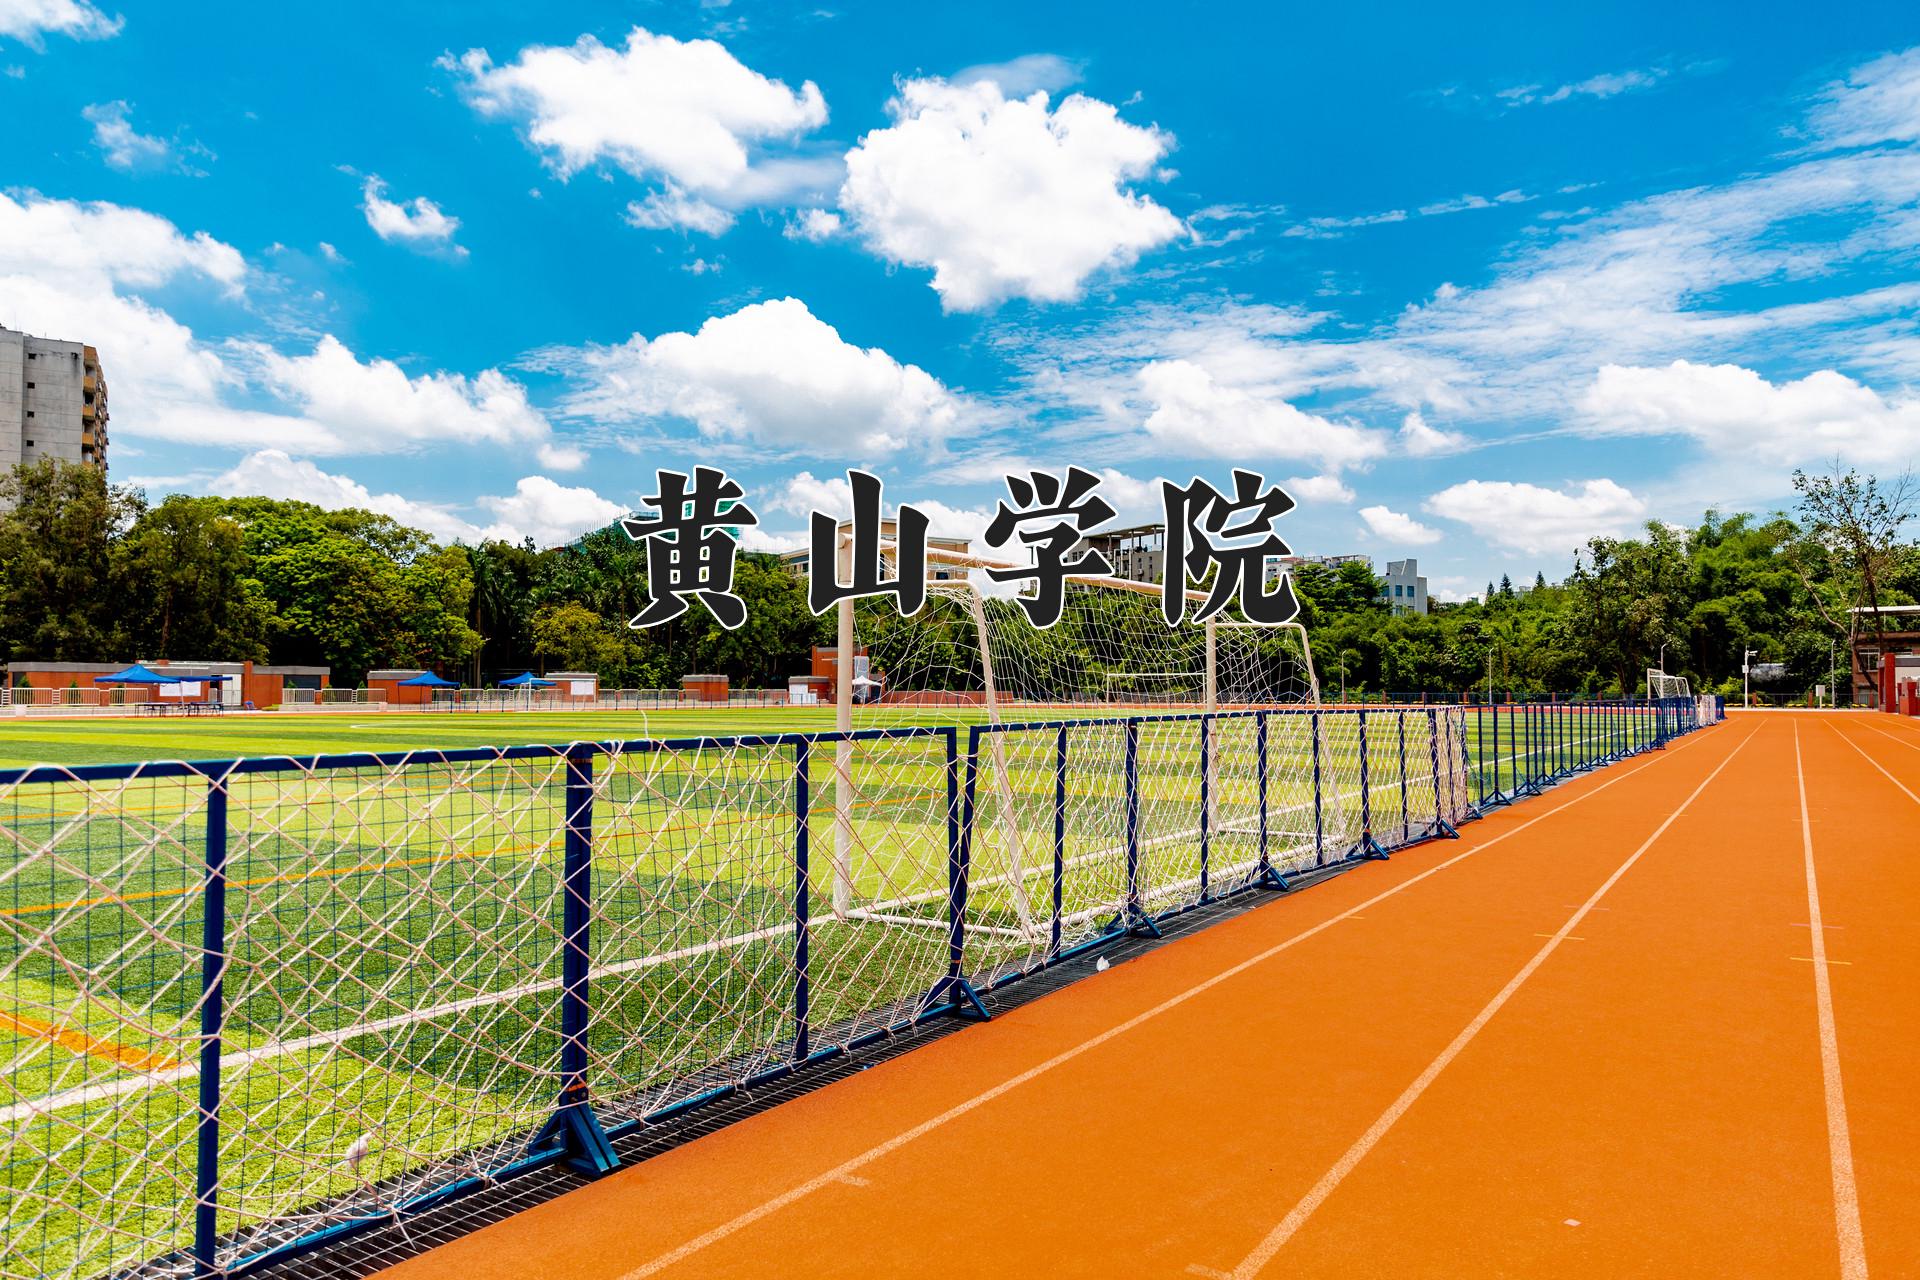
{"type": "Point", "coordinates": [251, 1007]}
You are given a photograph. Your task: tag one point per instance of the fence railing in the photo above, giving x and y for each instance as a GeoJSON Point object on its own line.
{"type": "Point", "coordinates": [252, 1006]}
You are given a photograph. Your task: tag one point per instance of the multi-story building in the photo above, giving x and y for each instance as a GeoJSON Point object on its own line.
{"type": "Point", "coordinates": [53, 402]}
{"type": "Point", "coordinates": [1406, 590]}
{"type": "Point", "coordinates": [1138, 553]}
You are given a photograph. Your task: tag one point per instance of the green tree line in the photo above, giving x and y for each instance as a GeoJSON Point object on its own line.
{"type": "Point", "coordinates": [90, 571]}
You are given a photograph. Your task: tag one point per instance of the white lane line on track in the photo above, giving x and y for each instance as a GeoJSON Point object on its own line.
{"type": "Point", "coordinates": [834, 1175]}
{"type": "Point", "coordinates": [1275, 1240]}
{"type": "Point", "coordinates": [1875, 763]}
{"type": "Point", "coordinates": [1846, 1194]}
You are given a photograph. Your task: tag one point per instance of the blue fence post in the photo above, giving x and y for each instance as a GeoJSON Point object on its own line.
{"type": "Point", "coordinates": [1059, 834]}
{"type": "Point", "coordinates": [213, 964]}
{"type": "Point", "coordinates": [1469, 806]}
{"type": "Point", "coordinates": [574, 1126]}
{"type": "Point", "coordinates": [1134, 914]}
{"type": "Point", "coordinates": [1206, 767]}
{"type": "Point", "coordinates": [1368, 846]}
{"type": "Point", "coordinates": [1319, 817]}
{"type": "Point", "coordinates": [1260, 781]}
{"type": "Point", "coordinates": [954, 990]}
{"type": "Point", "coordinates": [1495, 794]}
{"type": "Point", "coordinates": [1406, 817]}
{"type": "Point", "coordinates": [1441, 827]}
{"type": "Point", "coordinates": [802, 892]}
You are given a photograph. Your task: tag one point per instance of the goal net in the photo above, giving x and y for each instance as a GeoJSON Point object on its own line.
{"type": "Point", "coordinates": [1051, 804]}
{"type": "Point", "coordinates": [1661, 686]}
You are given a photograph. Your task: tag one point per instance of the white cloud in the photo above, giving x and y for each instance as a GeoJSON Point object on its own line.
{"type": "Point", "coordinates": [547, 512]}
{"type": "Point", "coordinates": [418, 222]}
{"type": "Point", "coordinates": [538, 508]}
{"type": "Point", "coordinates": [1028, 73]}
{"type": "Point", "coordinates": [1609, 84]}
{"type": "Point", "coordinates": [1318, 489]}
{"type": "Point", "coordinates": [375, 407]}
{"type": "Point", "coordinates": [685, 114]}
{"type": "Point", "coordinates": [1418, 440]}
{"type": "Point", "coordinates": [1398, 528]}
{"type": "Point", "coordinates": [120, 144]}
{"type": "Point", "coordinates": [1736, 413]}
{"type": "Point", "coordinates": [771, 373]}
{"type": "Point", "coordinates": [1194, 412]}
{"type": "Point", "coordinates": [1324, 228]}
{"type": "Point", "coordinates": [1877, 102]}
{"type": "Point", "coordinates": [1002, 197]}
{"type": "Point", "coordinates": [813, 224]}
{"type": "Point", "coordinates": [1530, 518]}
{"type": "Point", "coordinates": [673, 208]}
{"type": "Point", "coordinates": [107, 244]}
{"type": "Point", "coordinates": [28, 20]}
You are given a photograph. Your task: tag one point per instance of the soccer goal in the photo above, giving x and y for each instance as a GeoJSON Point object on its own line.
{"type": "Point", "coordinates": [1661, 686]}
{"type": "Point", "coordinates": [970, 657]}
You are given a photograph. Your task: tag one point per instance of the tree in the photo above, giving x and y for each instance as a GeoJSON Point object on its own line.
{"type": "Point", "coordinates": [57, 600]}
{"type": "Point", "coordinates": [1858, 521]}
{"type": "Point", "coordinates": [182, 573]}
{"type": "Point", "coordinates": [354, 590]}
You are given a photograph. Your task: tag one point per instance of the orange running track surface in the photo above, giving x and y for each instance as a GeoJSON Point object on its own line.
{"type": "Point", "coordinates": [1597, 1036]}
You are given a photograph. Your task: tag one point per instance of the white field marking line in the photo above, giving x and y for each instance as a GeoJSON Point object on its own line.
{"type": "Point", "coordinates": [1264, 1252]}
{"type": "Point", "coordinates": [1902, 739]}
{"type": "Point", "coordinates": [1876, 764]}
{"type": "Point", "coordinates": [1846, 1194]}
{"type": "Point", "coordinates": [830, 1177]}
{"type": "Point", "coordinates": [284, 1048]}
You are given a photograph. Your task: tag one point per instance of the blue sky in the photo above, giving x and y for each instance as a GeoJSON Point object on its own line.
{"type": "Point", "coordinates": [1479, 285]}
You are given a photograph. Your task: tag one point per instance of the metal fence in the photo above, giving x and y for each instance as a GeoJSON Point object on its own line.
{"type": "Point", "coordinates": [250, 1007]}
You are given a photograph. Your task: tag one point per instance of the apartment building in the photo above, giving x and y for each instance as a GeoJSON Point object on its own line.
{"type": "Point", "coordinates": [53, 402]}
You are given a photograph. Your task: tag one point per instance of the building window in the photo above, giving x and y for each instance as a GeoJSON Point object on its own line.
{"type": "Point", "coordinates": [29, 413]}
{"type": "Point", "coordinates": [29, 386]}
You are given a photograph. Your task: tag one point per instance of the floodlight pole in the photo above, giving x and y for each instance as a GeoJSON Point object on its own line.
{"type": "Point", "coordinates": [1746, 678]}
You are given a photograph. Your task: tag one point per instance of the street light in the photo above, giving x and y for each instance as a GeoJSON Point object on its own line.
{"type": "Point", "coordinates": [1746, 682]}
{"type": "Point", "coordinates": [1663, 657]}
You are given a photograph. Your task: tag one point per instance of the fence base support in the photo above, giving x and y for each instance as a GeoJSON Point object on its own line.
{"type": "Point", "coordinates": [962, 995]}
{"type": "Point", "coordinates": [1134, 920]}
{"type": "Point", "coordinates": [1442, 830]}
{"type": "Point", "coordinates": [1370, 850]}
{"type": "Point", "coordinates": [576, 1130]}
{"type": "Point", "coordinates": [1271, 879]}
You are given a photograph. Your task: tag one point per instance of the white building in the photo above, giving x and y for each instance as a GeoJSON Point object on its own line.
{"type": "Point", "coordinates": [53, 402]}
{"type": "Point", "coordinates": [1406, 590]}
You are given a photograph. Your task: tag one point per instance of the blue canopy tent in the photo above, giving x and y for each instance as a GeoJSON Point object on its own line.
{"type": "Point", "coordinates": [526, 680]}
{"type": "Point", "coordinates": [136, 674]}
{"type": "Point", "coordinates": [431, 681]}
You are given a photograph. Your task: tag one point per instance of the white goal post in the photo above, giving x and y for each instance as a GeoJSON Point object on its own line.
{"type": "Point", "coordinates": [1110, 655]}
{"type": "Point", "coordinates": [1661, 686]}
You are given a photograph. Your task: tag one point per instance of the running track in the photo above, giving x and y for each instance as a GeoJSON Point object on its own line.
{"type": "Point", "coordinates": [1601, 1035]}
